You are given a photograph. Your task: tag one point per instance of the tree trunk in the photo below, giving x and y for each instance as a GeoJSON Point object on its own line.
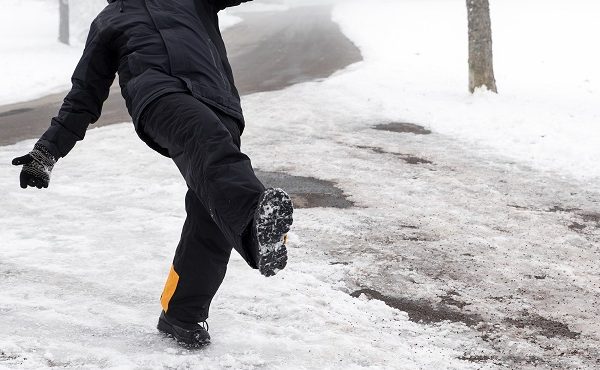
{"type": "Point", "coordinates": [63, 23]}
{"type": "Point", "coordinates": [481, 64]}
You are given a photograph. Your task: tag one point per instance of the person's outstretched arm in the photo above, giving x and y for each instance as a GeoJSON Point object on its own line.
{"type": "Point", "coordinates": [82, 106]}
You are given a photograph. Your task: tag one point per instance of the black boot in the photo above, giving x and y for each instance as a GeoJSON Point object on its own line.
{"type": "Point", "coordinates": [272, 221]}
{"type": "Point", "coordinates": [188, 334]}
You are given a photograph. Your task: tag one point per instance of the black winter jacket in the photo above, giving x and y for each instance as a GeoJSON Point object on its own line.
{"type": "Point", "coordinates": [157, 47]}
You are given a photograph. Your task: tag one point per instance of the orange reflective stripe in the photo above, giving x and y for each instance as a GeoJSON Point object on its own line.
{"type": "Point", "coordinates": [169, 290]}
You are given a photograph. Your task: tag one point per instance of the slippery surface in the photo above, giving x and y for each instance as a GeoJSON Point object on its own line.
{"type": "Point", "coordinates": [456, 254]}
{"type": "Point", "coordinates": [464, 235]}
{"type": "Point", "coordinates": [83, 264]}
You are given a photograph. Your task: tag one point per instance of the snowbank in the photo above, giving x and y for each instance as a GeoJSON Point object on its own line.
{"type": "Point", "coordinates": [33, 62]}
{"type": "Point", "coordinates": [547, 113]}
{"type": "Point", "coordinates": [227, 20]}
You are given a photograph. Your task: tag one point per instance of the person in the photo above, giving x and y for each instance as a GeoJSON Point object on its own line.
{"type": "Point", "coordinates": [179, 90]}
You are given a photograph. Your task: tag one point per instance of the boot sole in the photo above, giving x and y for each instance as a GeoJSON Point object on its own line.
{"type": "Point", "coordinates": [273, 221]}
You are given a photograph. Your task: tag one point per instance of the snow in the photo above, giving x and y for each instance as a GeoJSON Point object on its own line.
{"type": "Point", "coordinates": [35, 63]}
{"type": "Point", "coordinates": [493, 217]}
{"type": "Point", "coordinates": [547, 112]}
{"type": "Point", "coordinates": [227, 20]}
{"type": "Point", "coordinates": [83, 264]}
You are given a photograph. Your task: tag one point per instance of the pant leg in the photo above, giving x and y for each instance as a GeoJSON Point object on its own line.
{"type": "Point", "coordinates": [205, 146]}
{"type": "Point", "coordinates": [207, 153]}
{"type": "Point", "coordinates": [199, 265]}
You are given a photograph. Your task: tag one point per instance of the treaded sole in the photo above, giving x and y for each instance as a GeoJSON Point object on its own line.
{"type": "Point", "coordinates": [273, 220]}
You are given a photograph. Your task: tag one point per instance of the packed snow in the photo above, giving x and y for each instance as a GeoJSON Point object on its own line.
{"type": "Point", "coordinates": [83, 265]}
{"type": "Point", "coordinates": [493, 227]}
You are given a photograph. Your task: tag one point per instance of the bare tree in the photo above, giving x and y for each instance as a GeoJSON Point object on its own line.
{"type": "Point", "coordinates": [63, 23]}
{"type": "Point", "coordinates": [481, 64]}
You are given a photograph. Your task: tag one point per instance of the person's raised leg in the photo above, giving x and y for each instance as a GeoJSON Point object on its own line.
{"type": "Point", "coordinates": [205, 145]}
{"type": "Point", "coordinates": [207, 154]}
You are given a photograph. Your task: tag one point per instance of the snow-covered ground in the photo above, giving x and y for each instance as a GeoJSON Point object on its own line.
{"type": "Point", "coordinates": [496, 222]}
{"type": "Point", "coordinates": [84, 262]}
{"type": "Point", "coordinates": [546, 62]}
{"type": "Point", "coordinates": [33, 62]}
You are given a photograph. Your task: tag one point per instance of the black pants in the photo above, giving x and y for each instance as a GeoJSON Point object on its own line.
{"type": "Point", "coordinates": [222, 196]}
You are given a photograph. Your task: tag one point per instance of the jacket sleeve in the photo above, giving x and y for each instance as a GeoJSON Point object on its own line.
{"type": "Point", "coordinates": [82, 106]}
{"type": "Point", "coordinates": [222, 4]}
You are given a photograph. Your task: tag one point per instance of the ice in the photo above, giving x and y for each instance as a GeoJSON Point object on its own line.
{"type": "Point", "coordinates": [83, 264]}
{"type": "Point", "coordinates": [498, 220]}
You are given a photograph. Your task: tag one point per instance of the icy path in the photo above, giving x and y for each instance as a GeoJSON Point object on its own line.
{"type": "Point", "coordinates": [83, 263]}
{"type": "Point", "coordinates": [498, 260]}
{"type": "Point", "coordinates": [471, 237]}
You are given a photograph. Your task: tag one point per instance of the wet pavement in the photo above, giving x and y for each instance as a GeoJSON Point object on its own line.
{"type": "Point", "coordinates": [403, 127]}
{"type": "Point", "coordinates": [307, 192]}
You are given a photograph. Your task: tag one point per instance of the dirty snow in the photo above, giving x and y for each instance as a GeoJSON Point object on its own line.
{"type": "Point", "coordinates": [494, 247]}
{"type": "Point", "coordinates": [84, 262]}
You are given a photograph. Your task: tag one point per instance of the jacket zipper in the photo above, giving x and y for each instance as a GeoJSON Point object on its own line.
{"type": "Point", "coordinates": [225, 82]}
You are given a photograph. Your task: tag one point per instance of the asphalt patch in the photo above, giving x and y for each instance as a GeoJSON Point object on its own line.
{"type": "Point", "coordinates": [576, 226]}
{"type": "Point", "coordinates": [591, 217]}
{"type": "Point", "coordinates": [542, 326]}
{"type": "Point", "coordinates": [307, 192]}
{"type": "Point", "coordinates": [422, 311]}
{"type": "Point", "coordinates": [403, 127]}
{"type": "Point", "coordinates": [586, 219]}
{"type": "Point", "coordinates": [452, 298]}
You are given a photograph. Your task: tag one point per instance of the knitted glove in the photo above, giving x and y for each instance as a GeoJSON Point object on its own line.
{"type": "Point", "coordinates": [37, 166]}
